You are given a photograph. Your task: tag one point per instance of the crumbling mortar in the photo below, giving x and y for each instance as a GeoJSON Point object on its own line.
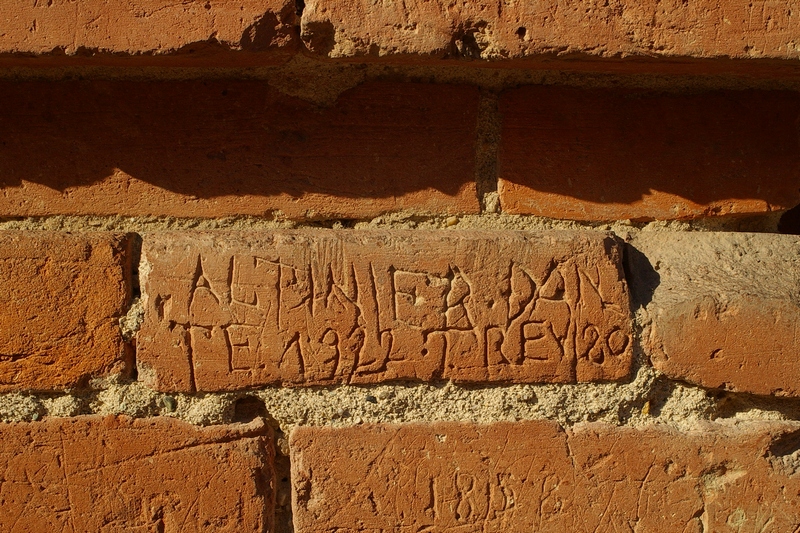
{"type": "Point", "coordinates": [649, 398]}
{"type": "Point", "coordinates": [487, 145]}
{"type": "Point", "coordinates": [321, 81]}
{"type": "Point", "coordinates": [759, 223]}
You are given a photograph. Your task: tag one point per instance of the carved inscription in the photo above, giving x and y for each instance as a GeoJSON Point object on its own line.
{"type": "Point", "coordinates": [443, 477]}
{"type": "Point", "coordinates": [456, 477]}
{"type": "Point", "coordinates": [147, 475]}
{"type": "Point", "coordinates": [225, 310]}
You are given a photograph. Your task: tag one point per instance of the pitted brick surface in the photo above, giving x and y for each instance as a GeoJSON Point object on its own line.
{"type": "Point", "coordinates": [144, 27]}
{"type": "Point", "coordinates": [721, 309]}
{"type": "Point", "coordinates": [501, 30]}
{"type": "Point", "coordinates": [232, 310]}
{"type": "Point", "coordinates": [63, 295]}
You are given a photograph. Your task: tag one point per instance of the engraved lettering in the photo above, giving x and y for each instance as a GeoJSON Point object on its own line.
{"type": "Point", "coordinates": [359, 307]}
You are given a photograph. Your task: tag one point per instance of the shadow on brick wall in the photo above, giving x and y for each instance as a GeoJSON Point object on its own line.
{"type": "Point", "coordinates": [216, 148]}
{"type": "Point", "coordinates": [210, 148]}
{"type": "Point", "coordinates": [621, 153]}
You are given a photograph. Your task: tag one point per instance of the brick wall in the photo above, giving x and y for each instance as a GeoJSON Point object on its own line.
{"type": "Point", "coordinates": [399, 266]}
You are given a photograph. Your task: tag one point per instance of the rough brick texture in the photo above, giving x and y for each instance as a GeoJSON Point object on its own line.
{"type": "Point", "coordinates": [722, 308]}
{"type": "Point", "coordinates": [217, 148]}
{"type": "Point", "coordinates": [232, 310]}
{"type": "Point", "coordinates": [499, 30]}
{"type": "Point", "coordinates": [609, 154]}
{"type": "Point", "coordinates": [119, 474]}
{"type": "Point", "coordinates": [63, 295]}
{"type": "Point", "coordinates": [534, 476]}
{"type": "Point", "coordinates": [120, 29]}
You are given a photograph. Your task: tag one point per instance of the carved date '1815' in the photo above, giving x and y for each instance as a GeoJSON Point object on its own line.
{"type": "Point", "coordinates": [228, 310]}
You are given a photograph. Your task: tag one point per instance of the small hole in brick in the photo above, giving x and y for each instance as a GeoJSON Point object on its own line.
{"type": "Point", "coordinates": [789, 223]}
{"type": "Point", "coordinates": [786, 444]}
{"type": "Point", "coordinates": [248, 409]}
{"type": "Point", "coordinates": [522, 31]}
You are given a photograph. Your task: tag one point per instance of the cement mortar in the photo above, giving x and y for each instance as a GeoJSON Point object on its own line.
{"type": "Point", "coordinates": [761, 223]}
{"type": "Point", "coordinates": [648, 399]}
{"type": "Point", "coordinates": [321, 81]}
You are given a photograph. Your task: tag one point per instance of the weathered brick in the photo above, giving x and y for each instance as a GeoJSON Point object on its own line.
{"type": "Point", "coordinates": [534, 476]}
{"type": "Point", "coordinates": [721, 308]}
{"type": "Point", "coordinates": [145, 31]}
{"type": "Point", "coordinates": [229, 310]}
{"type": "Point", "coordinates": [501, 30]}
{"type": "Point", "coordinates": [217, 148]}
{"type": "Point", "coordinates": [120, 474]}
{"type": "Point", "coordinates": [609, 154]}
{"type": "Point", "coordinates": [63, 295]}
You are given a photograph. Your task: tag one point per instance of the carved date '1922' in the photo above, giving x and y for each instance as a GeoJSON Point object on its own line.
{"type": "Point", "coordinates": [298, 307]}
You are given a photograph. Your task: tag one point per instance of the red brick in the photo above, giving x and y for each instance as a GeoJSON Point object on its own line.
{"type": "Point", "coordinates": [120, 474]}
{"type": "Point", "coordinates": [723, 312]}
{"type": "Point", "coordinates": [534, 476]}
{"type": "Point", "coordinates": [145, 31]}
{"type": "Point", "coordinates": [606, 154]}
{"type": "Point", "coordinates": [63, 295]}
{"type": "Point", "coordinates": [218, 148]}
{"type": "Point", "coordinates": [232, 310]}
{"type": "Point", "coordinates": [500, 30]}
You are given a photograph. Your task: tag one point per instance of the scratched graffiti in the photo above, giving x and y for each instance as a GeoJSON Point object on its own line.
{"type": "Point", "coordinates": [309, 308]}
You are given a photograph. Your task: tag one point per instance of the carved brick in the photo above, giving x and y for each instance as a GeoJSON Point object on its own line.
{"type": "Point", "coordinates": [144, 475]}
{"type": "Point", "coordinates": [534, 476]}
{"type": "Point", "coordinates": [231, 310]}
{"type": "Point", "coordinates": [62, 297]}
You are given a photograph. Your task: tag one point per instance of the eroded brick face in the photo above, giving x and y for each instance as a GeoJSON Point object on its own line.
{"type": "Point", "coordinates": [721, 309]}
{"type": "Point", "coordinates": [144, 27]}
{"type": "Point", "coordinates": [501, 30]}
{"type": "Point", "coordinates": [231, 310]}
{"type": "Point", "coordinates": [534, 476]}
{"type": "Point", "coordinates": [63, 295]}
{"type": "Point", "coordinates": [119, 474]}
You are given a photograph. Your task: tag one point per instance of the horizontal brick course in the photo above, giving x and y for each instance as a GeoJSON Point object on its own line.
{"type": "Point", "coordinates": [120, 474]}
{"type": "Point", "coordinates": [219, 148]}
{"type": "Point", "coordinates": [610, 154]}
{"type": "Point", "coordinates": [500, 30]}
{"type": "Point", "coordinates": [721, 308]}
{"type": "Point", "coordinates": [63, 295]}
{"type": "Point", "coordinates": [146, 30]}
{"type": "Point", "coordinates": [534, 476]}
{"type": "Point", "coordinates": [232, 310]}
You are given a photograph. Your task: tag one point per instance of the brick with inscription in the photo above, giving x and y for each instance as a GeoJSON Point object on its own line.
{"type": "Point", "coordinates": [721, 310]}
{"type": "Point", "coordinates": [231, 310]}
{"type": "Point", "coordinates": [535, 476]}
{"type": "Point", "coordinates": [214, 148]}
{"type": "Point", "coordinates": [141, 475]}
{"type": "Point", "coordinates": [610, 154]}
{"type": "Point", "coordinates": [63, 295]}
